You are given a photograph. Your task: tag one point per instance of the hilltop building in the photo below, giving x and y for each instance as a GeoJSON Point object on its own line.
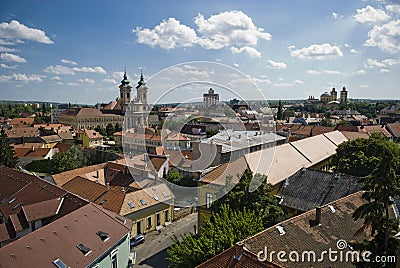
{"type": "Point", "coordinates": [330, 98]}
{"type": "Point", "coordinates": [210, 99]}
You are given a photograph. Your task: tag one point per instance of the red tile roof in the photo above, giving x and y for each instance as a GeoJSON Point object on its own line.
{"type": "Point", "coordinates": [61, 178]}
{"type": "Point", "coordinates": [22, 121]}
{"type": "Point", "coordinates": [31, 152]}
{"type": "Point", "coordinates": [42, 209]}
{"type": "Point", "coordinates": [59, 240]}
{"type": "Point", "coordinates": [85, 188]}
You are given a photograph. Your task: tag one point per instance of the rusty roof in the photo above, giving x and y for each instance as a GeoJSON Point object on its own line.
{"type": "Point", "coordinates": [41, 210]}
{"type": "Point", "coordinates": [58, 240]}
{"type": "Point", "coordinates": [111, 200]}
{"type": "Point", "coordinates": [61, 178]}
{"type": "Point", "coordinates": [16, 132]}
{"type": "Point", "coordinates": [85, 188]}
{"type": "Point", "coordinates": [336, 223]}
{"type": "Point", "coordinates": [351, 135]}
{"type": "Point", "coordinates": [93, 134]}
{"type": "Point", "coordinates": [22, 121]}
{"type": "Point", "coordinates": [31, 152]}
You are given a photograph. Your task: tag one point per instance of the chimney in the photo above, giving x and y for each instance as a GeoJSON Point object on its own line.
{"type": "Point", "coordinates": [33, 148]}
{"type": "Point", "coordinates": [97, 174]}
{"type": "Point", "coordinates": [318, 215]}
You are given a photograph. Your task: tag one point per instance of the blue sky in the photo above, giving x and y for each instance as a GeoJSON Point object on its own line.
{"type": "Point", "coordinates": [76, 51]}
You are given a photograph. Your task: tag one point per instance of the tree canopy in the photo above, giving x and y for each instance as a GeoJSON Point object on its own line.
{"type": "Point", "coordinates": [223, 230]}
{"type": "Point", "coordinates": [6, 151]}
{"type": "Point", "coordinates": [71, 159]}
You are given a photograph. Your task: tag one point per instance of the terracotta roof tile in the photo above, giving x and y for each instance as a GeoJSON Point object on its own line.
{"type": "Point", "coordinates": [29, 152]}
{"type": "Point", "coordinates": [111, 200]}
{"type": "Point", "coordinates": [85, 188]}
{"type": "Point", "coordinates": [22, 121]}
{"type": "Point", "coordinates": [61, 178]}
{"type": "Point", "coordinates": [93, 134]}
{"type": "Point", "coordinates": [42, 209]}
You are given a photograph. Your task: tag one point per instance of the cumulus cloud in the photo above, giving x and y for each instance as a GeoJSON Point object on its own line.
{"type": "Point", "coordinates": [361, 72]}
{"type": "Point", "coordinates": [5, 66]}
{"type": "Point", "coordinates": [317, 51]}
{"type": "Point", "coordinates": [251, 51]}
{"type": "Point", "coordinates": [109, 80]}
{"type": "Point", "coordinates": [86, 80]}
{"type": "Point", "coordinates": [298, 82]}
{"type": "Point", "coordinates": [6, 49]}
{"type": "Point", "coordinates": [230, 28]}
{"type": "Point", "coordinates": [69, 62]}
{"type": "Point", "coordinates": [168, 34]}
{"type": "Point", "coordinates": [276, 65]}
{"type": "Point", "coordinates": [323, 71]}
{"type": "Point", "coordinates": [60, 69]}
{"type": "Point", "coordinates": [393, 8]}
{"type": "Point", "coordinates": [372, 63]}
{"type": "Point", "coordinates": [384, 71]}
{"type": "Point", "coordinates": [21, 77]}
{"type": "Point", "coordinates": [55, 78]}
{"type": "Point", "coordinates": [14, 32]}
{"type": "Point", "coordinates": [118, 75]}
{"type": "Point", "coordinates": [12, 57]}
{"type": "Point", "coordinates": [369, 14]}
{"type": "Point", "coordinates": [386, 37]}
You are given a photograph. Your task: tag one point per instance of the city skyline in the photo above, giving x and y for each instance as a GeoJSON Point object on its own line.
{"type": "Point", "coordinates": [77, 52]}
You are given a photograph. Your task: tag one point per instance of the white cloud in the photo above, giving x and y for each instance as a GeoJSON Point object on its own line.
{"type": "Point", "coordinates": [276, 65]}
{"type": "Point", "coordinates": [12, 57]}
{"type": "Point", "coordinates": [283, 85]}
{"type": "Point", "coordinates": [251, 51]}
{"type": "Point", "coordinates": [298, 82]}
{"type": "Point", "coordinates": [353, 51]}
{"type": "Point", "coordinates": [98, 70]}
{"type": "Point", "coordinates": [364, 86]}
{"type": "Point", "coordinates": [118, 75]}
{"type": "Point", "coordinates": [393, 8]}
{"type": "Point", "coordinates": [5, 66]}
{"type": "Point", "coordinates": [386, 37]}
{"type": "Point", "coordinates": [381, 71]}
{"type": "Point", "coordinates": [55, 78]}
{"type": "Point", "coordinates": [372, 63]}
{"type": "Point", "coordinates": [6, 49]}
{"type": "Point", "coordinates": [230, 28]}
{"type": "Point", "coordinates": [168, 34]}
{"type": "Point", "coordinates": [335, 15]}
{"type": "Point", "coordinates": [86, 80]}
{"type": "Point", "coordinates": [361, 72]}
{"type": "Point", "coordinates": [323, 71]}
{"type": "Point", "coordinates": [317, 51]}
{"type": "Point", "coordinates": [370, 14]}
{"type": "Point", "coordinates": [236, 65]}
{"type": "Point", "coordinates": [15, 31]}
{"type": "Point", "coordinates": [109, 80]}
{"type": "Point", "coordinates": [69, 62]}
{"type": "Point", "coordinates": [260, 80]}
{"type": "Point", "coordinates": [60, 69]}
{"type": "Point", "coordinates": [21, 77]}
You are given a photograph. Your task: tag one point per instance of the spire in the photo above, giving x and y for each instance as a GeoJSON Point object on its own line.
{"type": "Point", "coordinates": [125, 81]}
{"type": "Point", "coordinates": [141, 81]}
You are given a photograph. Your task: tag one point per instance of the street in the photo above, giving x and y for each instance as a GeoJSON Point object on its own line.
{"type": "Point", "coordinates": [153, 252]}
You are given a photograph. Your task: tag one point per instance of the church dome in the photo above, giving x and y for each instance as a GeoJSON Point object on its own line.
{"type": "Point", "coordinates": [325, 94]}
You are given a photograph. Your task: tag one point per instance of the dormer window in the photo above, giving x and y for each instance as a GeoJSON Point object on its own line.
{"type": "Point", "coordinates": [103, 236]}
{"type": "Point", "coordinates": [85, 250]}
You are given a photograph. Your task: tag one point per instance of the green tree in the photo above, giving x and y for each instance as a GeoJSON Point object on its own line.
{"type": "Point", "coordinates": [110, 130]}
{"type": "Point", "coordinates": [71, 159]}
{"type": "Point", "coordinates": [6, 151]}
{"type": "Point", "coordinates": [326, 122]}
{"type": "Point", "coordinates": [261, 201]}
{"type": "Point", "coordinates": [118, 127]}
{"type": "Point", "coordinates": [101, 130]}
{"type": "Point", "coordinates": [223, 230]}
{"type": "Point", "coordinates": [377, 161]}
{"type": "Point", "coordinates": [177, 178]}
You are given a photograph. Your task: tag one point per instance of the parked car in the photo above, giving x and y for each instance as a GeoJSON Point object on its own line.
{"type": "Point", "coordinates": [137, 240]}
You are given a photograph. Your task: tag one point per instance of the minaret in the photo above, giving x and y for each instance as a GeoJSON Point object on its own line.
{"type": "Point", "coordinates": [125, 93]}
{"type": "Point", "coordinates": [343, 95]}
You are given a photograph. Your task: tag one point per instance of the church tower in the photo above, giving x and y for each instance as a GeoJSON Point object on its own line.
{"type": "Point", "coordinates": [137, 116]}
{"type": "Point", "coordinates": [125, 93]}
{"type": "Point", "coordinates": [334, 94]}
{"type": "Point", "coordinates": [343, 95]}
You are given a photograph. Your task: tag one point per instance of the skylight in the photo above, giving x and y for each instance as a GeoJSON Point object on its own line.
{"type": "Point", "coordinates": [4, 200]}
{"type": "Point", "coordinates": [16, 206]}
{"type": "Point", "coordinates": [280, 230]}
{"type": "Point", "coordinates": [103, 236]}
{"type": "Point", "coordinates": [85, 250]}
{"type": "Point", "coordinates": [165, 194]}
{"type": "Point", "coordinates": [155, 197]}
{"type": "Point", "coordinates": [143, 202]}
{"type": "Point", "coordinates": [131, 205]}
{"type": "Point", "coordinates": [103, 201]}
{"type": "Point", "coordinates": [12, 200]}
{"type": "Point", "coordinates": [60, 264]}
{"type": "Point", "coordinates": [331, 208]}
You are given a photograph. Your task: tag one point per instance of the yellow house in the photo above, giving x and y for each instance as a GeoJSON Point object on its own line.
{"type": "Point", "coordinates": [91, 138]}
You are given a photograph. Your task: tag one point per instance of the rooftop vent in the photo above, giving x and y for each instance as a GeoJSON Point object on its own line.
{"type": "Point", "coordinates": [280, 230]}
{"type": "Point", "coordinates": [131, 205]}
{"type": "Point", "coordinates": [103, 236]}
{"type": "Point", "coordinates": [85, 250]}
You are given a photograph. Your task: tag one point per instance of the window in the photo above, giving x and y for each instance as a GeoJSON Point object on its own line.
{"type": "Point", "coordinates": [143, 202]}
{"type": "Point", "coordinates": [114, 258]}
{"type": "Point", "coordinates": [139, 227]}
{"type": "Point", "coordinates": [131, 205]}
{"type": "Point", "coordinates": [149, 222]}
{"type": "Point", "coordinates": [158, 219]}
{"type": "Point", "coordinates": [60, 264]}
{"type": "Point", "coordinates": [166, 215]}
{"type": "Point", "coordinates": [85, 250]}
{"type": "Point", "coordinates": [209, 199]}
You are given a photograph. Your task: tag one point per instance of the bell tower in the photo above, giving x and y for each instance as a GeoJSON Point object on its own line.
{"type": "Point", "coordinates": [125, 93]}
